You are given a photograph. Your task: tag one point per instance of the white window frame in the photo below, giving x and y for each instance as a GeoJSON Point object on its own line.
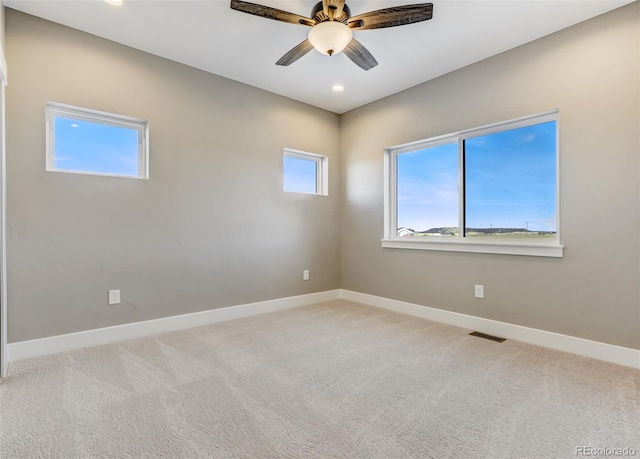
{"type": "Point", "coordinates": [322, 170]}
{"type": "Point", "coordinates": [53, 109]}
{"type": "Point", "coordinates": [530, 247]}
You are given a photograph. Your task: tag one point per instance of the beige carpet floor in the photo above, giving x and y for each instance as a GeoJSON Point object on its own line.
{"type": "Point", "coordinates": [335, 379]}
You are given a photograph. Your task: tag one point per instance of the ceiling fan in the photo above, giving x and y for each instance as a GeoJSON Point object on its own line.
{"type": "Point", "coordinates": [332, 27]}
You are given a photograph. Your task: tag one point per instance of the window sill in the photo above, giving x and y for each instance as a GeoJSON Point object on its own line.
{"type": "Point", "coordinates": [502, 248]}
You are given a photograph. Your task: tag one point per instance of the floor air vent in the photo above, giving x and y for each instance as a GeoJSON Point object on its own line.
{"type": "Point", "coordinates": [490, 337]}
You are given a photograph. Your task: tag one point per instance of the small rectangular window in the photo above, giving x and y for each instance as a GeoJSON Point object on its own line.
{"type": "Point", "coordinates": [86, 141]}
{"type": "Point", "coordinates": [305, 172]}
{"type": "Point", "coordinates": [492, 189]}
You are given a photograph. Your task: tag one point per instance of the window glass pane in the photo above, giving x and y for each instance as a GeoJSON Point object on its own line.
{"type": "Point", "coordinates": [300, 175]}
{"type": "Point", "coordinates": [86, 146]}
{"type": "Point", "coordinates": [510, 180]}
{"type": "Point", "coordinates": [427, 192]}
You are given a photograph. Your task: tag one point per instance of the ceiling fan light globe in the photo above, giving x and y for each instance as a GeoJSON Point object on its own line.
{"type": "Point", "coordinates": [330, 37]}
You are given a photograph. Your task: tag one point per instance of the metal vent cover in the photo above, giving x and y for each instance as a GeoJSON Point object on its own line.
{"type": "Point", "coordinates": [489, 337]}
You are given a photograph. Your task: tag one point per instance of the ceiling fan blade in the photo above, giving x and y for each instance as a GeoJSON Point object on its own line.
{"type": "Point", "coordinates": [296, 53]}
{"type": "Point", "coordinates": [391, 17]}
{"type": "Point", "coordinates": [270, 13]}
{"type": "Point", "coordinates": [360, 55]}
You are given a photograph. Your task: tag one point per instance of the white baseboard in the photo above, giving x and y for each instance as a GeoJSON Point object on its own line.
{"type": "Point", "coordinates": [601, 351]}
{"type": "Point", "coordinates": [62, 343]}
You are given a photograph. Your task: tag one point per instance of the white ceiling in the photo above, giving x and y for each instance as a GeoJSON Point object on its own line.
{"type": "Point", "coordinates": [208, 35]}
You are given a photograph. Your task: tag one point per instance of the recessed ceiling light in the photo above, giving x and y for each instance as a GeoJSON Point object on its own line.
{"type": "Point", "coordinates": [114, 2]}
{"type": "Point", "coordinates": [337, 88]}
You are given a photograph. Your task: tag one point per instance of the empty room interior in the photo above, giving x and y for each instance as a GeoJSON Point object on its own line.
{"type": "Point", "coordinates": [368, 229]}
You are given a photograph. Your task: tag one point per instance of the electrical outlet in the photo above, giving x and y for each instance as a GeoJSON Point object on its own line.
{"type": "Point", "coordinates": [114, 296]}
{"type": "Point", "coordinates": [479, 291]}
{"type": "Point", "coordinates": [305, 274]}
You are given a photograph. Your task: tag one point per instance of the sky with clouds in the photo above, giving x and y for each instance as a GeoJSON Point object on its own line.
{"type": "Point", "coordinates": [510, 182]}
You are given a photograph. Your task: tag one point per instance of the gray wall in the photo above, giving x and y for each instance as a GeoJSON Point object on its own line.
{"type": "Point", "coordinates": [211, 228]}
{"type": "Point", "coordinates": [591, 73]}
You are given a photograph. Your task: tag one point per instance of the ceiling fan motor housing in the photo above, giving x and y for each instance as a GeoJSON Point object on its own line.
{"type": "Point", "coordinates": [317, 13]}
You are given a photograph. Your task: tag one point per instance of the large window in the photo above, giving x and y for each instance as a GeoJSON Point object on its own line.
{"type": "Point", "coordinates": [86, 141]}
{"type": "Point", "coordinates": [491, 189]}
{"type": "Point", "coordinates": [305, 172]}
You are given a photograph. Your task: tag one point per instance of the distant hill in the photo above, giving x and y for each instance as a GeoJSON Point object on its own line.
{"type": "Point", "coordinates": [445, 230]}
{"type": "Point", "coordinates": [499, 230]}
{"type": "Point", "coordinates": [450, 230]}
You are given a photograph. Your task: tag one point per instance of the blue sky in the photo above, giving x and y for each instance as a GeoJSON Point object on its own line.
{"type": "Point", "coordinates": [300, 175]}
{"type": "Point", "coordinates": [94, 147]}
{"type": "Point", "coordinates": [510, 182]}
{"type": "Point", "coordinates": [428, 188]}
